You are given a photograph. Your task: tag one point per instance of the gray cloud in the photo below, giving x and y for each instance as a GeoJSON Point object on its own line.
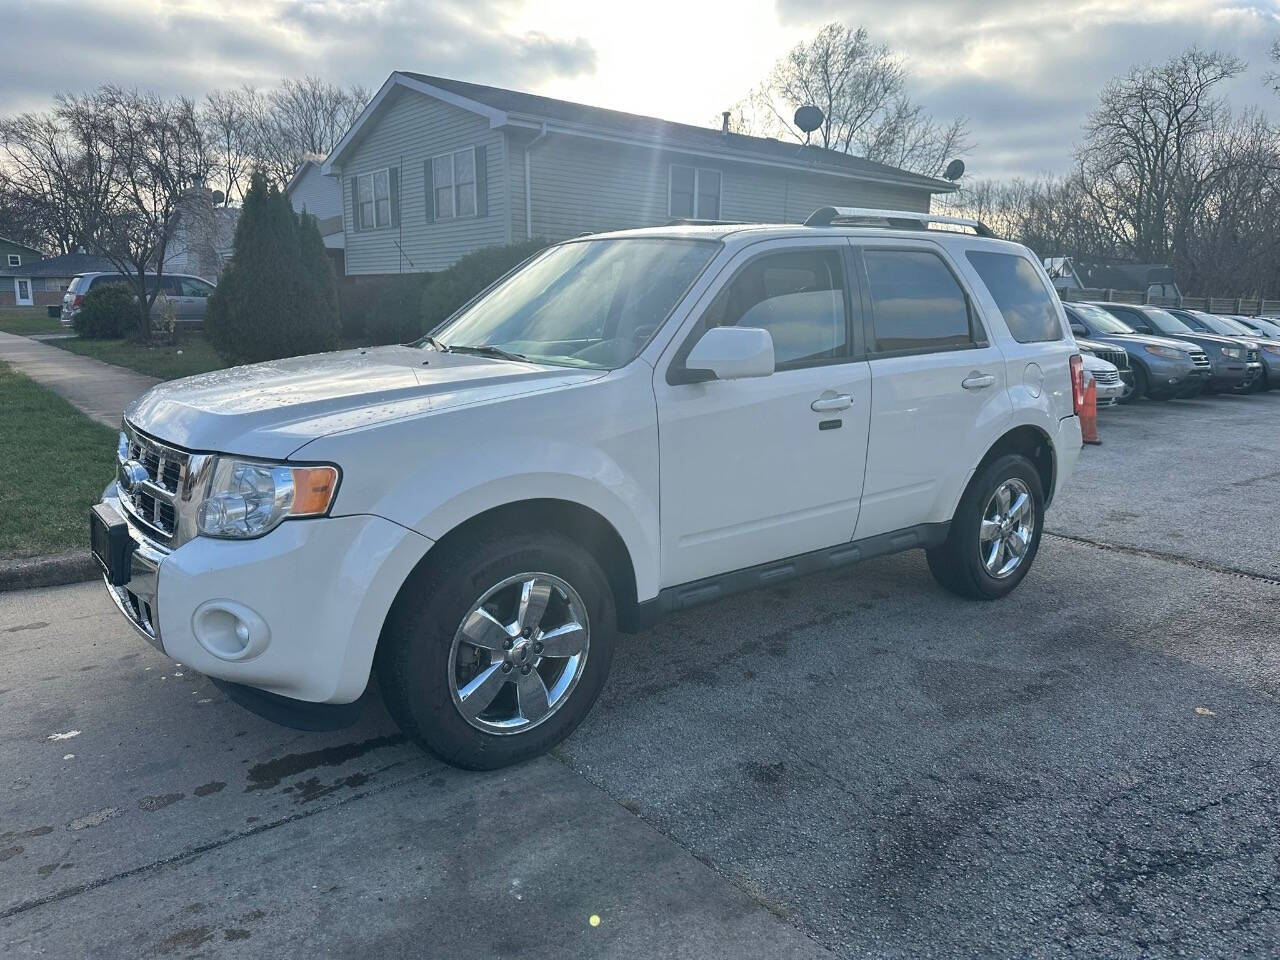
{"type": "Point", "coordinates": [238, 41]}
{"type": "Point", "coordinates": [1026, 72]}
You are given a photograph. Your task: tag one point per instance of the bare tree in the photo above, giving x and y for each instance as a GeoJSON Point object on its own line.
{"type": "Point", "coordinates": [233, 120]}
{"type": "Point", "coordinates": [153, 153]}
{"type": "Point", "coordinates": [304, 117]}
{"type": "Point", "coordinates": [860, 87]}
{"type": "Point", "coordinates": [1144, 159]}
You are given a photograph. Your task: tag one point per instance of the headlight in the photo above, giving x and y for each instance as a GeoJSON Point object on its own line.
{"type": "Point", "coordinates": [1270, 347]}
{"type": "Point", "coordinates": [247, 499]}
{"type": "Point", "coordinates": [1169, 353]}
{"type": "Point", "coordinates": [1235, 353]}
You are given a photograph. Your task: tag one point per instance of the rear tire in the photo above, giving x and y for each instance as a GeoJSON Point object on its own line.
{"type": "Point", "coordinates": [970, 562]}
{"type": "Point", "coordinates": [428, 673]}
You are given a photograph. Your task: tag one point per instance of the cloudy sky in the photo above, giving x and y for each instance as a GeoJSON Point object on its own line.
{"type": "Point", "coordinates": [1024, 71]}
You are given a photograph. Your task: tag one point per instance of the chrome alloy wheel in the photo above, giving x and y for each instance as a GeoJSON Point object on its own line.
{"type": "Point", "coordinates": [1007, 526]}
{"type": "Point", "coordinates": [519, 653]}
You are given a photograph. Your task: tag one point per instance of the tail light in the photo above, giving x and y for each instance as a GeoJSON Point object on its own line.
{"type": "Point", "coordinates": [1077, 382]}
{"type": "Point", "coordinates": [78, 301]}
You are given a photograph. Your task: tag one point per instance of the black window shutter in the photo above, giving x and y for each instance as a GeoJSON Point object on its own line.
{"type": "Point", "coordinates": [394, 177]}
{"type": "Point", "coordinates": [429, 188]}
{"type": "Point", "coordinates": [355, 206]}
{"type": "Point", "coordinates": [482, 182]}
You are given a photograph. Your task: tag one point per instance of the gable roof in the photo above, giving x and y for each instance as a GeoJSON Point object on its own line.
{"type": "Point", "coordinates": [67, 265]}
{"type": "Point", "coordinates": [23, 246]}
{"type": "Point", "coordinates": [504, 107]}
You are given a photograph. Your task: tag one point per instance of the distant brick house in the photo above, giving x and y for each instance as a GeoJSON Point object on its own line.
{"type": "Point", "coordinates": [14, 288]}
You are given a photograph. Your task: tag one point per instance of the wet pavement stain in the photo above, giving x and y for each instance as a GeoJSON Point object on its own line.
{"type": "Point", "coordinates": [20, 834]}
{"type": "Point", "coordinates": [313, 789]}
{"type": "Point", "coordinates": [205, 789]}
{"type": "Point", "coordinates": [265, 776]}
{"type": "Point", "coordinates": [151, 804]}
{"type": "Point", "coordinates": [38, 625]}
{"type": "Point", "coordinates": [189, 938]}
{"type": "Point", "coordinates": [8, 853]}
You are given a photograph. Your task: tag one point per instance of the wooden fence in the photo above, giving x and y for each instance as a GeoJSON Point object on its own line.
{"type": "Point", "coordinates": [1228, 305]}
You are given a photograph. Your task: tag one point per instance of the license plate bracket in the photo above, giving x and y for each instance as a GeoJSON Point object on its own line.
{"type": "Point", "coordinates": [111, 544]}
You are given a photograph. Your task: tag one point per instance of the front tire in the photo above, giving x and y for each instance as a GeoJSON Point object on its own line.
{"type": "Point", "coordinates": [497, 648]}
{"type": "Point", "coordinates": [995, 532]}
{"type": "Point", "coordinates": [1139, 385]}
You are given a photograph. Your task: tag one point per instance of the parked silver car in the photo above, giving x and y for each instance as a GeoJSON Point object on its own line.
{"type": "Point", "coordinates": [189, 295]}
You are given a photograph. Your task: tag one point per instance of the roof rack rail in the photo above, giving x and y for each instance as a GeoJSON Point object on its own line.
{"type": "Point", "coordinates": [899, 219]}
{"type": "Point", "coordinates": [697, 222]}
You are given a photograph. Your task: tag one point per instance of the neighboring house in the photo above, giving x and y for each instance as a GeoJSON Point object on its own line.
{"type": "Point", "coordinates": [43, 282]}
{"type": "Point", "coordinates": [13, 257]}
{"type": "Point", "coordinates": [435, 168]}
{"type": "Point", "coordinates": [1153, 279]}
{"type": "Point", "coordinates": [311, 191]}
{"type": "Point", "coordinates": [202, 238]}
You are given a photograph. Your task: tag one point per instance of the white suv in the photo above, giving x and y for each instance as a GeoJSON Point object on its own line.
{"type": "Point", "coordinates": [626, 424]}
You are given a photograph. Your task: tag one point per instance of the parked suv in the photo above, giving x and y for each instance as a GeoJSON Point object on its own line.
{"type": "Point", "coordinates": [1163, 368]}
{"type": "Point", "coordinates": [189, 295]}
{"type": "Point", "coordinates": [1257, 344]}
{"type": "Point", "coordinates": [1235, 365]}
{"type": "Point", "coordinates": [475, 515]}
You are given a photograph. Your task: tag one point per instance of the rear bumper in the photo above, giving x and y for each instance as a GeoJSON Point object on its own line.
{"type": "Point", "coordinates": [1066, 446]}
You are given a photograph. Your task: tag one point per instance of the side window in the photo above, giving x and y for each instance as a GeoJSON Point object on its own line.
{"type": "Point", "coordinates": [1015, 285]}
{"type": "Point", "coordinates": [169, 286]}
{"type": "Point", "coordinates": [917, 303]}
{"type": "Point", "coordinates": [798, 296]}
{"type": "Point", "coordinates": [194, 288]}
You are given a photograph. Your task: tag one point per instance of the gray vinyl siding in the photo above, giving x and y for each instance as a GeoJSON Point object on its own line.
{"type": "Point", "coordinates": [317, 194]}
{"type": "Point", "coordinates": [412, 129]}
{"type": "Point", "coordinates": [582, 185]}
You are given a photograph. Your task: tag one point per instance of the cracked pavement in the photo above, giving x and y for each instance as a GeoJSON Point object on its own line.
{"type": "Point", "coordinates": [852, 765]}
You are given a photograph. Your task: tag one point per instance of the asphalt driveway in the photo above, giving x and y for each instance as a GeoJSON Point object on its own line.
{"type": "Point", "coordinates": [855, 765]}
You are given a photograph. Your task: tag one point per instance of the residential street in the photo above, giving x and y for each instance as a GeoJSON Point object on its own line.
{"type": "Point", "coordinates": [853, 765]}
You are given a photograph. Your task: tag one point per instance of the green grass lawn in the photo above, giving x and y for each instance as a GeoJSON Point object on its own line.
{"type": "Point", "coordinates": [46, 510]}
{"type": "Point", "coordinates": [27, 320]}
{"type": "Point", "coordinates": [190, 356]}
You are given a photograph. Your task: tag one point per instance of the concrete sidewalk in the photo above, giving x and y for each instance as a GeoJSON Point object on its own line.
{"type": "Point", "coordinates": [99, 389]}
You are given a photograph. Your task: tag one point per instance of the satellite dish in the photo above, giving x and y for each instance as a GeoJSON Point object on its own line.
{"type": "Point", "coordinates": [955, 170]}
{"type": "Point", "coordinates": [809, 119]}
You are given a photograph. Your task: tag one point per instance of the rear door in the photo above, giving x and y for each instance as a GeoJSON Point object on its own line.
{"type": "Point", "coordinates": [937, 382]}
{"type": "Point", "coordinates": [196, 293]}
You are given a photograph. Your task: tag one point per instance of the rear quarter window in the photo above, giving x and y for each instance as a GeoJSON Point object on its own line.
{"type": "Point", "coordinates": [1025, 303]}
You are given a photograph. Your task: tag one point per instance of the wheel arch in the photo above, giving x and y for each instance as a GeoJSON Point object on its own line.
{"type": "Point", "coordinates": [1032, 442]}
{"type": "Point", "coordinates": [580, 523]}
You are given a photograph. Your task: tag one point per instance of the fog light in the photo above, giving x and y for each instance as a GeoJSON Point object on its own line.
{"type": "Point", "coordinates": [230, 630]}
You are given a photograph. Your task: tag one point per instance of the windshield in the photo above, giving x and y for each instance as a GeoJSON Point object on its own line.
{"type": "Point", "coordinates": [1225, 325]}
{"type": "Point", "coordinates": [1268, 328]}
{"type": "Point", "coordinates": [1166, 322]}
{"type": "Point", "coordinates": [590, 303]}
{"type": "Point", "coordinates": [1099, 320]}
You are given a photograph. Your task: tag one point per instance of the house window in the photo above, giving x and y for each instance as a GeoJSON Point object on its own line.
{"type": "Point", "coordinates": [15, 259]}
{"type": "Point", "coordinates": [453, 176]}
{"type": "Point", "coordinates": [694, 192]}
{"type": "Point", "coordinates": [374, 199]}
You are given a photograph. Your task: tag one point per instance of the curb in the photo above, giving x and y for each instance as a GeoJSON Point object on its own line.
{"type": "Point", "coordinates": [75, 567]}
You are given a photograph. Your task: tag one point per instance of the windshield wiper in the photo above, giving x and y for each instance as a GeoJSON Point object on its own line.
{"type": "Point", "coordinates": [435, 343]}
{"type": "Point", "coordinates": [485, 350]}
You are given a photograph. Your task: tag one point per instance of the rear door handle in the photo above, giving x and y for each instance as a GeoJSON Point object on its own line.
{"type": "Point", "coordinates": [977, 381]}
{"type": "Point", "coordinates": [831, 401]}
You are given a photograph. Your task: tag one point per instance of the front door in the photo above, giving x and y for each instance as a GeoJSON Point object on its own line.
{"type": "Point", "coordinates": [22, 291]}
{"type": "Point", "coordinates": [759, 469]}
{"type": "Point", "coordinates": [937, 383]}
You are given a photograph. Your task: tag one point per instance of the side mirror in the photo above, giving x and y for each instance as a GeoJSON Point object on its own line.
{"type": "Point", "coordinates": [730, 353]}
{"type": "Point", "coordinates": [1080, 330]}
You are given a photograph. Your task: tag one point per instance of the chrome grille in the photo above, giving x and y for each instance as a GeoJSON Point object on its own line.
{"type": "Point", "coordinates": [1107, 376]}
{"type": "Point", "coordinates": [1119, 358]}
{"type": "Point", "coordinates": [1253, 356]}
{"type": "Point", "coordinates": [150, 500]}
{"type": "Point", "coordinates": [1200, 358]}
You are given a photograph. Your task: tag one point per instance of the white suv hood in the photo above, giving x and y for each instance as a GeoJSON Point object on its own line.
{"type": "Point", "coordinates": [271, 409]}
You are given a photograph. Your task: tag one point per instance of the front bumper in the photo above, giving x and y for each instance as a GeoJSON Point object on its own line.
{"type": "Point", "coordinates": [311, 597]}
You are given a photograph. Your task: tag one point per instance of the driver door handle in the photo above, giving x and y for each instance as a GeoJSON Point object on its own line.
{"type": "Point", "coordinates": [977, 381]}
{"type": "Point", "coordinates": [831, 401]}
